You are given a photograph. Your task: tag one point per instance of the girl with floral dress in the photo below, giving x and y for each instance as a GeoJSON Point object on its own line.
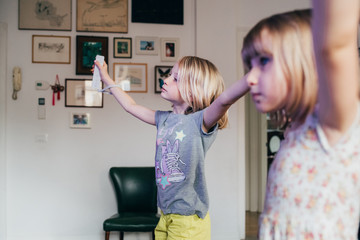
{"type": "Point", "coordinates": [307, 75]}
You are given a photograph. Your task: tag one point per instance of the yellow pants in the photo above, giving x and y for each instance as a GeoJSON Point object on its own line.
{"type": "Point", "coordinates": [179, 227]}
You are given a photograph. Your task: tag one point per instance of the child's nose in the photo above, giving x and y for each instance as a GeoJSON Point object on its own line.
{"type": "Point", "coordinates": [253, 77]}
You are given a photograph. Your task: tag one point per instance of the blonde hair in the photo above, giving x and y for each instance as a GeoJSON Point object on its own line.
{"type": "Point", "coordinates": [293, 47]}
{"type": "Point", "coordinates": [200, 83]}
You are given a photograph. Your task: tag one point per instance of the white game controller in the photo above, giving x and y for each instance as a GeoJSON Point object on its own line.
{"type": "Point", "coordinates": [96, 81]}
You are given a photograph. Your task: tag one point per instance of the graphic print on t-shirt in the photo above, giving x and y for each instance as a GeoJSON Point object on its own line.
{"type": "Point", "coordinates": [168, 168]}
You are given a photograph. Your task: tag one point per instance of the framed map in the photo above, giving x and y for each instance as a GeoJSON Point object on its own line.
{"type": "Point", "coordinates": [102, 16]}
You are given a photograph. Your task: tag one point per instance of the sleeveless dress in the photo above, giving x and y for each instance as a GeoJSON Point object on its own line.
{"type": "Point", "coordinates": [313, 190]}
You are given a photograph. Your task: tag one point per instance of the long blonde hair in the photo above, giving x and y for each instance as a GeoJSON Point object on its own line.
{"type": "Point", "coordinates": [200, 83]}
{"type": "Point", "coordinates": [293, 47]}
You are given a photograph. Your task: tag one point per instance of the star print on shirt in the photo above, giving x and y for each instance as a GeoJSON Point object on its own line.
{"type": "Point", "coordinates": [180, 135]}
{"type": "Point", "coordinates": [164, 181]}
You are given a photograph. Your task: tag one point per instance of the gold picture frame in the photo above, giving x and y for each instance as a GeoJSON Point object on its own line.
{"type": "Point", "coordinates": [102, 16]}
{"type": "Point", "coordinates": [51, 49]}
{"type": "Point", "coordinates": [131, 76]}
{"type": "Point", "coordinates": [54, 15]}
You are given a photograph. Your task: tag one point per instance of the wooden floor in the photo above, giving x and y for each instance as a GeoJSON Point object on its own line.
{"type": "Point", "coordinates": [251, 228]}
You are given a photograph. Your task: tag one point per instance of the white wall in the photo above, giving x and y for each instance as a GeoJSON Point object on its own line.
{"type": "Point", "coordinates": [60, 189]}
{"type": "Point", "coordinates": [216, 40]}
{"type": "Point", "coordinates": [3, 55]}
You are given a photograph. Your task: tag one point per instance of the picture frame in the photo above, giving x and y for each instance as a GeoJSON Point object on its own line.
{"type": "Point", "coordinates": [80, 120]}
{"type": "Point", "coordinates": [54, 15]}
{"type": "Point", "coordinates": [87, 47]}
{"type": "Point", "coordinates": [79, 93]}
{"type": "Point", "coordinates": [158, 11]}
{"type": "Point", "coordinates": [161, 73]}
{"type": "Point", "coordinates": [147, 45]}
{"type": "Point", "coordinates": [169, 48]}
{"type": "Point", "coordinates": [102, 16]}
{"type": "Point", "coordinates": [122, 47]}
{"type": "Point", "coordinates": [132, 77]}
{"type": "Point", "coordinates": [51, 49]}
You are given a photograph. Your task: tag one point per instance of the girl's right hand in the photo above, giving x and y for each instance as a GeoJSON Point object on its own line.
{"type": "Point", "coordinates": [104, 75]}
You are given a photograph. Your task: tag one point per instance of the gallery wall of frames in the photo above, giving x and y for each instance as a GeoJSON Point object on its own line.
{"type": "Point", "coordinates": [101, 26]}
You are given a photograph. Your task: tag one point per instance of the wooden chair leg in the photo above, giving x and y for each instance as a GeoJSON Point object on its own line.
{"type": "Point", "coordinates": [107, 235]}
{"type": "Point", "coordinates": [121, 235]}
{"type": "Point", "coordinates": [153, 234]}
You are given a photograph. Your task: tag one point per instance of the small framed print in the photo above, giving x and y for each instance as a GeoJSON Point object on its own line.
{"type": "Point", "coordinates": [132, 77]}
{"type": "Point", "coordinates": [161, 73]}
{"type": "Point", "coordinates": [147, 45]}
{"type": "Point", "coordinates": [87, 47]}
{"type": "Point", "coordinates": [54, 15]}
{"type": "Point", "coordinates": [51, 49]}
{"type": "Point", "coordinates": [80, 120]}
{"type": "Point", "coordinates": [169, 49]}
{"type": "Point", "coordinates": [79, 93]}
{"type": "Point", "coordinates": [122, 47]}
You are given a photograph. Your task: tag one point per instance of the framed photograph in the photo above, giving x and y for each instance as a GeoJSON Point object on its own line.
{"type": "Point", "coordinates": [86, 50]}
{"type": "Point", "coordinates": [161, 73]}
{"type": "Point", "coordinates": [51, 49]}
{"type": "Point", "coordinates": [158, 11]}
{"type": "Point", "coordinates": [131, 76]}
{"type": "Point", "coordinates": [122, 48]}
{"type": "Point", "coordinates": [80, 120]}
{"type": "Point", "coordinates": [52, 15]}
{"type": "Point", "coordinates": [79, 93]}
{"type": "Point", "coordinates": [147, 45]}
{"type": "Point", "coordinates": [102, 16]}
{"type": "Point", "coordinates": [170, 49]}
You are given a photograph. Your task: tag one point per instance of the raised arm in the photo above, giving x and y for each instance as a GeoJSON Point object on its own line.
{"type": "Point", "coordinates": [335, 26]}
{"type": "Point", "coordinates": [145, 114]}
{"type": "Point", "coordinates": [221, 104]}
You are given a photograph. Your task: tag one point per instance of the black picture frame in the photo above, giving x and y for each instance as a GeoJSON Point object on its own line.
{"type": "Point", "coordinates": [161, 73]}
{"type": "Point", "coordinates": [122, 47]}
{"type": "Point", "coordinates": [87, 47]}
{"type": "Point", "coordinates": [158, 11]}
{"type": "Point", "coordinates": [79, 93]}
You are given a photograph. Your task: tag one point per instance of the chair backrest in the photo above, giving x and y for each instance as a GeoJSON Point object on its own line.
{"type": "Point", "coordinates": [135, 189]}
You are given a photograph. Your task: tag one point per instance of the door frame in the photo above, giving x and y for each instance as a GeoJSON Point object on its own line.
{"type": "Point", "coordinates": [3, 74]}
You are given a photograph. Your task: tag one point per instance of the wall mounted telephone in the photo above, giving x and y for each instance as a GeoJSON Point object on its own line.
{"type": "Point", "coordinates": [16, 81]}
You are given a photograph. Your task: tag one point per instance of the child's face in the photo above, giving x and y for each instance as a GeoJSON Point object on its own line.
{"type": "Point", "coordinates": [170, 90]}
{"type": "Point", "coordinates": [268, 85]}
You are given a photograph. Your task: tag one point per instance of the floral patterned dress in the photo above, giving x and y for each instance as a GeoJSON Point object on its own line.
{"type": "Point", "coordinates": [313, 189]}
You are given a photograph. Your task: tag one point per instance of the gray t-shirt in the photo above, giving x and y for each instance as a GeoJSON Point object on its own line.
{"type": "Point", "coordinates": [181, 146]}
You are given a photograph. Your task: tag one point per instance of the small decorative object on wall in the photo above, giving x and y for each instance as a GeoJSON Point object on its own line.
{"type": "Point", "coordinates": [170, 49]}
{"type": "Point", "coordinates": [158, 11]}
{"type": "Point", "coordinates": [161, 73]}
{"type": "Point", "coordinates": [51, 49]}
{"type": "Point", "coordinates": [79, 93]}
{"type": "Point", "coordinates": [45, 15]}
{"type": "Point", "coordinates": [57, 89]}
{"type": "Point", "coordinates": [147, 45]}
{"type": "Point", "coordinates": [122, 47]}
{"type": "Point", "coordinates": [86, 50]}
{"type": "Point", "coordinates": [102, 16]}
{"type": "Point", "coordinates": [131, 76]}
{"type": "Point", "coordinates": [80, 120]}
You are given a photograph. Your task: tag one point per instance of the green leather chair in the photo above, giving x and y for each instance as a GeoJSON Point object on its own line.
{"type": "Point", "coordinates": [136, 194]}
